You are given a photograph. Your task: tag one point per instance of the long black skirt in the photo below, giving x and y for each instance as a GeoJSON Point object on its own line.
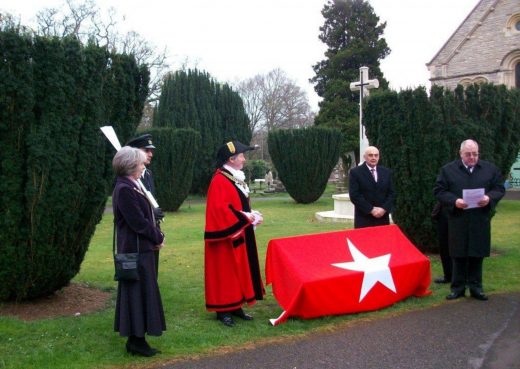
{"type": "Point", "coordinates": [139, 309]}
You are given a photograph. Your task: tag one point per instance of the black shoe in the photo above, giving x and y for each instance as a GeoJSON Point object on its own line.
{"type": "Point", "coordinates": [479, 295]}
{"type": "Point", "coordinates": [226, 319]}
{"type": "Point", "coordinates": [441, 280]}
{"type": "Point", "coordinates": [136, 349]}
{"type": "Point", "coordinates": [241, 314]}
{"type": "Point", "coordinates": [455, 295]}
{"type": "Point", "coordinates": [154, 350]}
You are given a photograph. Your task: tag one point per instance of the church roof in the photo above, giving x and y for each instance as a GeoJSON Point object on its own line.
{"type": "Point", "coordinates": [464, 32]}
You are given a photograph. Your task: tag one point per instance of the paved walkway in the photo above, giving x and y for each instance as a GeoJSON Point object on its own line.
{"type": "Point", "coordinates": [512, 194]}
{"type": "Point", "coordinates": [463, 334]}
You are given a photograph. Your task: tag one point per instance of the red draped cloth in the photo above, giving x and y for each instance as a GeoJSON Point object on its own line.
{"type": "Point", "coordinates": [344, 272]}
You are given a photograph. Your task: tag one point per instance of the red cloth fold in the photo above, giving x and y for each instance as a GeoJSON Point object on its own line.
{"type": "Point", "coordinates": [307, 281]}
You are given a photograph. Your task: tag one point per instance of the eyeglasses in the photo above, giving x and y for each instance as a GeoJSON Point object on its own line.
{"type": "Point", "coordinates": [469, 154]}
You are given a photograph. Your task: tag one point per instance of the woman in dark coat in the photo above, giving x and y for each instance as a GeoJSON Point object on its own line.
{"type": "Point", "coordinates": [139, 308]}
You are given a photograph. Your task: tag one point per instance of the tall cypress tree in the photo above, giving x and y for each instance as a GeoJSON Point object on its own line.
{"type": "Point", "coordinates": [173, 163]}
{"type": "Point", "coordinates": [16, 118]}
{"type": "Point", "coordinates": [55, 176]}
{"type": "Point", "coordinates": [192, 99]}
{"type": "Point", "coordinates": [353, 36]}
{"type": "Point", "coordinates": [304, 159]}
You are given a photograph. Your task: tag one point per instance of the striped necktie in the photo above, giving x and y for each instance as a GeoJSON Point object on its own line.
{"type": "Point", "coordinates": [373, 171]}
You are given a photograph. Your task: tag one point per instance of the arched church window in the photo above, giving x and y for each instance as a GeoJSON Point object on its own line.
{"type": "Point", "coordinates": [479, 80]}
{"type": "Point", "coordinates": [513, 24]}
{"type": "Point", "coordinates": [465, 82]}
{"type": "Point", "coordinates": [511, 67]}
{"type": "Point", "coordinates": [517, 75]}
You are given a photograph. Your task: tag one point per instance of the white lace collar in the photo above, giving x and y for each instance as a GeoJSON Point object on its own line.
{"type": "Point", "coordinates": [240, 179]}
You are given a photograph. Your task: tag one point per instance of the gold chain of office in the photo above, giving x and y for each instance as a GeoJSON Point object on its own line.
{"type": "Point", "coordinates": [234, 179]}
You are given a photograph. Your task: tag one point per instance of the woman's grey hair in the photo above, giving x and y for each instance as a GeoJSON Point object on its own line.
{"type": "Point", "coordinates": [127, 161]}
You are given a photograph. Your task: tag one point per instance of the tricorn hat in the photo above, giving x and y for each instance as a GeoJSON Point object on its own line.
{"type": "Point", "coordinates": [142, 142]}
{"type": "Point", "coordinates": [229, 149]}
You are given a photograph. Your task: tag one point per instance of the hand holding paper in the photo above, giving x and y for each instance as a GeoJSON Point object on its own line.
{"type": "Point", "coordinates": [474, 197]}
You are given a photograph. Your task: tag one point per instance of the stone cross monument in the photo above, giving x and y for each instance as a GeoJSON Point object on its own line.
{"type": "Point", "coordinates": [343, 207]}
{"type": "Point", "coordinates": [363, 86]}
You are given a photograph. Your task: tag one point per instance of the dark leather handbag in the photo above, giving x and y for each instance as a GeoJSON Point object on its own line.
{"type": "Point", "coordinates": [126, 265]}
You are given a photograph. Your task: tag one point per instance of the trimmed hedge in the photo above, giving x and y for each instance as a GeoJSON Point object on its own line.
{"type": "Point", "coordinates": [173, 163]}
{"type": "Point", "coordinates": [304, 159]}
{"type": "Point", "coordinates": [255, 169]}
{"type": "Point", "coordinates": [417, 134]}
{"type": "Point", "coordinates": [55, 168]}
{"type": "Point", "coordinates": [192, 99]}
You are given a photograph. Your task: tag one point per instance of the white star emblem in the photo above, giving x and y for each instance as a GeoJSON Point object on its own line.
{"type": "Point", "coordinates": [375, 270]}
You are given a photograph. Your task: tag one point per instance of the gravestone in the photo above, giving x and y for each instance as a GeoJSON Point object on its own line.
{"type": "Point", "coordinates": [343, 210]}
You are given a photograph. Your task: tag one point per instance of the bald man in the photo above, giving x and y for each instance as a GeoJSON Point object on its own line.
{"type": "Point", "coordinates": [469, 227]}
{"type": "Point", "coordinates": [371, 191]}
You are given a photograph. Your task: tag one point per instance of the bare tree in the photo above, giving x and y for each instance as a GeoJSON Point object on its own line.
{"type": "Point", "coordinates": [275, 101]}
{"type": "Point", "coordinates": [133, 43]}
{"type": "Point", "coordinates": [9, 21]}
{"type": "Point", "coordinates": [252, 96]}
{"type": "Point", "coordinates": [76, 20]}
{"type": "Point", "coordinates": [85, 21]}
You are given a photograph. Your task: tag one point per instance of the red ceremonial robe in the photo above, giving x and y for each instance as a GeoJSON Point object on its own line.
{"type": "Point", "coordinates": [231, 268]}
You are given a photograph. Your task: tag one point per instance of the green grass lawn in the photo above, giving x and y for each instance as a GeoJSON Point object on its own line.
{"type": "Point", "coordinates": [88, 341]}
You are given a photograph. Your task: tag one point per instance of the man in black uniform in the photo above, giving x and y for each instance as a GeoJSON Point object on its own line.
{"type": "Point", "coordinates": [145, 143]}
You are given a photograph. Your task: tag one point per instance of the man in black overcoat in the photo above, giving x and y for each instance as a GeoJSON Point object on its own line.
{"type": "Point", "coordinates": [469, 228]}
{"type": "Point", "coordinates": [371, 191]}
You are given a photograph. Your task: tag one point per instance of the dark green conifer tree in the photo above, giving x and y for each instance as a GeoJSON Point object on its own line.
{"type": "Point", "coordinates": [172, 165]}
{"type": "Point", "coordinates": [353, 35]}
{"type": "Point", "coordinates": [54, 95]}
{"type": "Point", "coordinates": [192, 99]}
{"type": "Point", "coordinates": [417, 135]}
{"type": "Point", "coordinates": [16, 119]}
{"type": "Point", "coordinates": [304, 159]}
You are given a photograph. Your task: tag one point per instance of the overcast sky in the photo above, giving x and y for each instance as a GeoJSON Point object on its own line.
{"type": "Point", "coordinates": [237, 39]}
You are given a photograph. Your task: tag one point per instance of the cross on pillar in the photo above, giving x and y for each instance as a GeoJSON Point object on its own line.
{"type": "Point", "coordinates": [363, 86]}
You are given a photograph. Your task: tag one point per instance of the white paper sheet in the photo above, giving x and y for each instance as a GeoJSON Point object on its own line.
{"type": "Point", "coordinates": [472, 197]}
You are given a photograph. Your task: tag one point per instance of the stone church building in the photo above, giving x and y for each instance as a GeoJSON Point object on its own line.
{"type": "Point", "coordinates": [485, 48]}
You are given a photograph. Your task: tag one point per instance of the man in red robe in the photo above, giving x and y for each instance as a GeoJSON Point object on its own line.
{"type": "Point", "coordinates": [231, 268]}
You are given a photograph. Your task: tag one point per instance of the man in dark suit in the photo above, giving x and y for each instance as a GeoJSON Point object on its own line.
{"type": "Point", "coordinates": [371, 191]}
{"type": "Point", "coordinates": [145, 144]}
{"type": "Point", "coordinates": [469, 225]}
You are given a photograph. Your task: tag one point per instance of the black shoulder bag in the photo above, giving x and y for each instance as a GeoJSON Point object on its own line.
{"type": "Point", "coordinates": [125, 264]}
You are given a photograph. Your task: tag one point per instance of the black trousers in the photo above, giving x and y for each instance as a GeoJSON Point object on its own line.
{"type": "Point", "coordinates": [444, 250]}
{"type": "Point", "coordinates": [467, 272]}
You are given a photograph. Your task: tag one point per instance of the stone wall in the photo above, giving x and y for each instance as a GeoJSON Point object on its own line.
{"type": "Point", "coordinates": [485, 47]}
